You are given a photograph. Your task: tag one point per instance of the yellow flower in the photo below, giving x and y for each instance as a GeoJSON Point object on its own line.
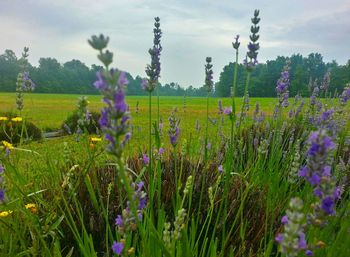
{"type": "Point", "coordinates": [17, 119]}
{"type": "Point", "coordinates": [3, 118]}
{"type": "Point", "coordinates": [5, 214]}
{"type": "Point", "coordinates": [32, 207]}
{"type": "Point", "coordinates": [95, 139]}
{"type": "Point", "coordinates": [7, 145]}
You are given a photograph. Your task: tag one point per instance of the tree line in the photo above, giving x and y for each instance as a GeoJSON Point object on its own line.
{"type": "Point", "coordinates": [76, 78]}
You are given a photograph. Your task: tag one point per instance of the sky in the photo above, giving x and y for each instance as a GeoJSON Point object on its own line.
{"type": "Point", "coordinates": [192, 30]}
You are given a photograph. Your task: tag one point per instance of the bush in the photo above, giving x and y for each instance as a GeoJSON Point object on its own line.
{"type": "Point", "coordinates": [12, 130]}
{"type": "Point", "coordinates": [72, 122]}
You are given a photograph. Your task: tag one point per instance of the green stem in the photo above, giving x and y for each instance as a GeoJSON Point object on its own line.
{"type": "Point", "coordinates": [206, 131]}
{"type": "Point", "coordinates": [233, 96]}
{"type": "Point", "coordinates": [150, 131]}
{"type": "Point", "coordinates": [244, 98]}
{"type": "Point", "coordinates": [158, 115]}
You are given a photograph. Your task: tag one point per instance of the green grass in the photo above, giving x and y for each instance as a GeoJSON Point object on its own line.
{"type": "Point", "coordinates": [49, 111]}
{"type": "Point", "coordinates": [79, 190]}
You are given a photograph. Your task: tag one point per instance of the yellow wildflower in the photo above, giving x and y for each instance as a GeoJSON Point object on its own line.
{"type": "Point", "coordinates": [7, 144]}
{"type": "Point", "coordinates": [32, 207]}
{"type": "Point", "coordinates": [5, 214]}
{"type": "Point", "coordinates": [3, 118]}
{"type": "Point", "coordinates": [95, 139]}
{"type": "Point", "coordinates": [17, 119]}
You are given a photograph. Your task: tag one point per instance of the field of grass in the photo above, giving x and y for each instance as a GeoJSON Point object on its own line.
{"type": "Point", "coordinates": [232, 197]}
{"type": "Point", "coordinates": [48, 111]}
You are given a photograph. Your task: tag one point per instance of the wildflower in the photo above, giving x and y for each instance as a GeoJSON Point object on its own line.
{"type": "Point", "coordinates": [209, 75]}
{"type": "Point", "coordinates": [145, 159]}
{"type": "Point", "coordinates": [236, 43]}
{"type": "Point", "coordinates": [161, 151]}
{"type": "Point", "coordinates": [2, 190]}
{"type": "Point", "coordinates": [153, 69]}
{"type": "Point", "coordinates": [32, 207]}
{"type": "Point", "coordinates": [4, 214]}
{"type": "Point", "coordinates": [7, 145]}
{"type": "Point", "coordinates": [118, 247]}
{"type": "Point", "coordinates": [253, 46]}
{"type": "Point", "coordinates": [114, 117]}
{"type": "Point", "coordinates": [174, 130]}
{"type": "Point", "coordinates": [345, 96]}
{"type": "Point", "coordinates": [27, 83]}
{"type": "Point", "coordinates": [131, 251]}
{"type": "Point", "coordinates": [95, 139]}
{"type": "Point", "coordinates": [189, 184]}
{"type": "Point", "coordinates": [221, 168]}
{"type": "Point", "coordinates": [318, 172]}
{"type": "Point", "coordinates": [208, 146]}
{"type": "Point", "coordinates": [2, 195]}
{"type": "Point", "coordinates": [228, 111]}
{"type": "Point", "coordinates": [3, 118]}
{"type": "Point", "coordinates": [292, 240]}
{"type": "Point", "coordinates": [126, 221]}
{"type": "Point", "coordinates": [282, 86]}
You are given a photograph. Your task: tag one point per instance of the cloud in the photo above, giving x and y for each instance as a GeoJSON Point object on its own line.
{"type": "Point", "coordinates": [193, 29]}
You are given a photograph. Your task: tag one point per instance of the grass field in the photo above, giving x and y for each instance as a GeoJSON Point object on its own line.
{"type": "Point", "coordinates": [49, 111]}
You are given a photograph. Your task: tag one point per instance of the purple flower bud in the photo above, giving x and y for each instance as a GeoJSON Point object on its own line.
{"type": "Point", "coordinates": [117, 248]}
{"type": "Point", "coordinates": [145, 159]}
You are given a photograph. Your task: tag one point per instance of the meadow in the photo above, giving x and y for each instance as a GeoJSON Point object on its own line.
{"type": "Point", "coordinates": [175, 176]}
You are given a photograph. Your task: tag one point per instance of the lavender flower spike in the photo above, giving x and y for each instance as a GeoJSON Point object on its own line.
{"type": "Point", "coordinates": [282, 86]}
{"type": "Point", "coordinates": [153, 69]}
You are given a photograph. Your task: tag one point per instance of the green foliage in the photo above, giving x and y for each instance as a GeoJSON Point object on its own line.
{"type": "Point", "coordinates": [14, 131]}
{"type": "Point", "coordinates": [265, 76]}
{"type": "Point", "coordinates": [72, 122]}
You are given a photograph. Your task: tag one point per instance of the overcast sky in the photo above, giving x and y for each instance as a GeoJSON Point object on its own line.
{"type": "Point", "coordinates": [192, 30]}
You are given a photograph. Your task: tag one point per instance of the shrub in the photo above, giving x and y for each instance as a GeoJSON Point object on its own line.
{"type": "Point", "coordinates": [72, 123]}
{"type": "Point", "coordinates": [13, 129]}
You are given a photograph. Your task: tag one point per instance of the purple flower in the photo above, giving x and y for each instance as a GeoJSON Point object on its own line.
{"type": "Point", "coordinates": [309, 253]}
{"type": "Point", "coordinates": [115, 116]}
{"type": "Point", "coordinates": [153, 69]}
{"type": "Point", "coordinates": [279, 238]}
{"type": "Point", "coordinates": [174, 130]}
{"type": "Point", "coordinates": [221, 168]}
{"type": "Point", "coordinates": [100, 83]}
{"type": "Point", "coordinates": [27, 83]}
{"type": "Point", "coordinates": [318, 172]}
{"type": "Point", "coordinates": [145, 159]}
{"type": "Point", "coordinates": [117, 248]}
{"type": "Point", "coordinates": [302, 241]}
{"type": "Point", "coordinates": [208, 146]}
{"type": "Point", "coordinates": [119, 221]}
{"type": "Point", "coordinates": [345, 96]}
{"type": "Point", "coordinates": [2, 195]}
{"type": "Point", "coordinates": [142, 204]}
{"type": "Point", "coordinates": [292, 240]}
{"type": "Point", "coordinates": [161, 151]}
{"type": "Point", "coordinates": [284, 219]}
{"type": "Point", "coordinates": [315, 179]}
{"type": "Point", "coordinates": [282, 86]}
{"type": "Point", "coordinates": [228, 111]}
{"type": "Point", "coordinates": [328, 205]}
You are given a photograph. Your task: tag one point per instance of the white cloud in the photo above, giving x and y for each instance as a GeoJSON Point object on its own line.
{"type": "Point", "coordinates": [193, 29]}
